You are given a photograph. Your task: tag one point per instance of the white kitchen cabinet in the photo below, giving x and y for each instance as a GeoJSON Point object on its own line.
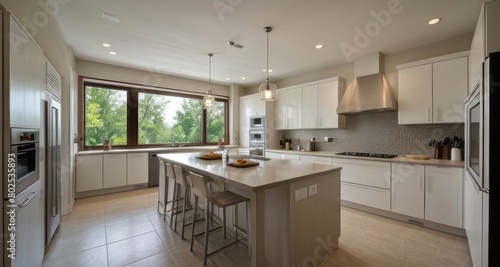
{"type": "Point", "coordinates": [137, 168]}
{"type": "Point", "coordinates": [473, 218]}
{"type": "Point", "coordinates": [250, 105]}
{"type": "Point", "coordinates": [443, 195]}
{"type": "Point", "coordinates": [290, 156]}
{"type": "Point", "coordinates": [407, 193]}
{"type": "Point", "coordinates": [449, 90]}
{"type": "Point", "coordinates": [316, 159]}
{"type": "Point", "coordinates": [26, 70]}
{"type": "Point", "coordinates": [415, 94]}
{"type": "Point", "coordinates": [486, 39]}
{"type": "Point", "coordinates": [88, 173]}
{"type": "Point", "coordinates": [366, 195]}
{"type": "Point", "coordinates": [365, 182]}
{"type": "Point", "coordinates": [319, 104]}
{"type": "Point", "coordinates": [273, 155]}
{"type": "Point", "coordinates": [433, 90]}
{"type": "Point", "coordinates": [288, 109]}
{"type": "Point", "coordinates": [365, 172]}
{"type": "Point", "coordinates": [114, 170]}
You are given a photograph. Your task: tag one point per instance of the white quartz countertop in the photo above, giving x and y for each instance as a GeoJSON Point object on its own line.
{"type": "Point", "coordinates": [267, 174]}
{"type": "Point", "coordinates": [398, 159]}
{"type": "Point", "coordinates": [175, 149]}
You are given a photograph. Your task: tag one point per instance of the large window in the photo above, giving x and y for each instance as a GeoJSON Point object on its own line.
{"type": "Point", "coordinates": [137, 117]}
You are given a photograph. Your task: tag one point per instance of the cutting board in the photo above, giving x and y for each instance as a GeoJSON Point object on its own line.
{"type": "Point", "coordinates": [245, 165]}
{"type": "Point", "coordinates": [205, 157]}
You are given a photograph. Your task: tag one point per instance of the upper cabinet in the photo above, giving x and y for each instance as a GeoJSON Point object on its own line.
{"type": "Point", "coordinates": [26, 78]}
{"type": "Point", "coordinates": [288, 109]}
{"type": "Point", "coordinates": [319, 104]}
{"type": "Point", "coordinates": [250, 105]}
{"type": "Point", "coordinates": [485, 39]}
{"type": "Point", "coordinates": [433, 90]}
{"type": "Point", "coordinates": [311, 105]}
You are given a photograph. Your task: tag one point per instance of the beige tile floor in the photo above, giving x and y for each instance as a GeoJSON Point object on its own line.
{"type": "Point", "coordinates": [124, 229]}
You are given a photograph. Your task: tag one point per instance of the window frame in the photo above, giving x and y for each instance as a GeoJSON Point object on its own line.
{"type": "Point", "coordinates": [133, 91]}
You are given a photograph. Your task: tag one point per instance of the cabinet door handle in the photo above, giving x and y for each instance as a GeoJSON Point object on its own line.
{"type": "Point", "coordinates": [319, 122]}
{"type": "Point", "coordinates": [429, 118]}
{"type": "Point", "coordinates": [436, 114]}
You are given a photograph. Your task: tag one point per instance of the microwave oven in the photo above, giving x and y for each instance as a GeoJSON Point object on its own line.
{"type": "Point", "coordinates": [257, 121]}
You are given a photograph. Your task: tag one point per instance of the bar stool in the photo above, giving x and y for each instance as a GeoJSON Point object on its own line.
{"type": "Point", "coordinates": [163, 182]}
{"type": "Point", "coordinates": [181, 180]}
{"type": "Point", "coordinates": [222, 199]}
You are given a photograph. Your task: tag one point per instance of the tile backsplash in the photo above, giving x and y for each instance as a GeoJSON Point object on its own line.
{"type": "Point", "coordinates": [377, 133]}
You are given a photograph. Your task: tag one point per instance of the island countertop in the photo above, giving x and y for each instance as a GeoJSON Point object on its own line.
{"type": "Point", "coordinates": [267, 174]}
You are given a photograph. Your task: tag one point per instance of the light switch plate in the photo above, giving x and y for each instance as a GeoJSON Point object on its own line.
{"type": "Point", "coordinates": [313, 189]}
{"type": "Point", "coordinates": [300, 194]}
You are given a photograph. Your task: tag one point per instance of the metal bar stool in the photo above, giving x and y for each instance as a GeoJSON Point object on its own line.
{"type": "Point", "coordinates": [163, 182]}
{"type": "Point", "coordinates": [222, 199]}
{"type": "Point", "coordinates": [181, 180]}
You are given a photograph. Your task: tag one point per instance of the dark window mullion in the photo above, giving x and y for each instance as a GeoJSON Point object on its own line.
{"type": "Point", "coordinates": [204, 126]}
{"type": "Point", "coordinates": [132, 118]}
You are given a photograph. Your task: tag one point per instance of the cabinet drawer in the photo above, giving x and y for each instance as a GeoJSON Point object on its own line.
{"type": "Point", "coordinates": [368, 196]}
{"type": "Point", "coordinates": [290, 156]}
{"type": "Point", "coordinates": [316, 159]}
{"type": "Point", "coordinates": [364, 172]}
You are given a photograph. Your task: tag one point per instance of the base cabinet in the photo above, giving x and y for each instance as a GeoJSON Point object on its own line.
{"type": "Point", "coordinates": [366, 195]}
{"type": "Point", "coordinates": [407, 194]}
{"type": "Point", "coordinates": [443, 195]}
{"type": "Point", "coordinates": [88, 173]}
{"type": "Point", "coordinates": [115, 170]}
{"type": "Point", "coordinates": [137, 168]}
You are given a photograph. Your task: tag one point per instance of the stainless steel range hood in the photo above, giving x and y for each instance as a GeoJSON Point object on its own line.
{"type": "Point", "coordinates": [370, 91]}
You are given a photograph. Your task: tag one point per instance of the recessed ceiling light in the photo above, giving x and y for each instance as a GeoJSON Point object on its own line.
{"type": "Point", "coordinates": [228, 78]}
{"type": "Point", "coordinates": [243, 78]}
{"type": "Point", "coordinates": [270, 70]}
{"type": "Point", "coordinates": [106, 45]}
{"type": "Point", "coordinates": [112, 53]}
{"type": "Point", "coordinates": [319, 46]}
{"type": "Point", "coordinates": [434, 21]}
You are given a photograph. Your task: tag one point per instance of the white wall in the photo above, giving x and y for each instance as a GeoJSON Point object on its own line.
{"type": "Point", "coordinates": [346, 71]}
{"type": "Point", "coordinates": [121, 74]}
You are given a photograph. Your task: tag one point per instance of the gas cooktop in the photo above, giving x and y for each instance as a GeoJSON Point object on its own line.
{"type": "Point", "coordinates": [371, 155]}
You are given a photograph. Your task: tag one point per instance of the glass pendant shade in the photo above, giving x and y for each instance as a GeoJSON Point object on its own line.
{"type": "Point", "coordinates": [209, 99]}
{"type": "Point", "coordinates": [268, 91]}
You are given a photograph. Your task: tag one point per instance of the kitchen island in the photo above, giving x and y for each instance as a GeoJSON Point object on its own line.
{"type": "Point", "coordinates": [294, 206]}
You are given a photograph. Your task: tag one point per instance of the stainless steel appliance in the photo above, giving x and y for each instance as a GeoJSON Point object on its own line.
{"type": "Point", "coordinates": [257, 122]}
{"type": "Point", "coordinates": [257, 138]}
{"type": "Point", "coordinates": [53, 168]}
{"type": "Point", "coordinates": [481, 157]}
{"type": "Point", "coordinates": [24, 145]}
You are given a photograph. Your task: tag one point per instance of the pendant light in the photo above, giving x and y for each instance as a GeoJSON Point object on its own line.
{"type": "Point", "coordinates": [208, 99]}
{"type": "Point", "coordinates": [267, 90]}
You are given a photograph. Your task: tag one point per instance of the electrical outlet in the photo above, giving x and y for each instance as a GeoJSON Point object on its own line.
{"type": "Point", "coordinates": [313, 189]}
{"type": "Point", "coordinates": [330, 139]}
{"type": "Point", "coordinates": [300, 194]}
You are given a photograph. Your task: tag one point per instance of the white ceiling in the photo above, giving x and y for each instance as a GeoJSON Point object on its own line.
{"type": "Point", "coordinates": [174, 37]}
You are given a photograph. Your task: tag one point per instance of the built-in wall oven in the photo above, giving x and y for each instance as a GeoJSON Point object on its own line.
{"type": "Point", "coordinates": [24, 147]}
{"type": "Point", "coordinates": [257, 138]}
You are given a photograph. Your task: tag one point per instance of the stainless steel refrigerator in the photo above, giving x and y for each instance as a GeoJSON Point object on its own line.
{"type": "Point", "coordinates": [53, 167]}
